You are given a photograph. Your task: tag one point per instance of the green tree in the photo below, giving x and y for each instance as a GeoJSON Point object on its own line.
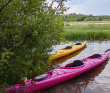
{"type": "Point", "coordinates": [28, 29]}
{"type": "Point", "coordinates": [99, 18]}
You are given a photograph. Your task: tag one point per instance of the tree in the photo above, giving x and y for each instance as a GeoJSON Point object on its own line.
{"type": "Point", "coordinates": [28, 29]}
{"type": "Point", "coordinates": [99, 18]}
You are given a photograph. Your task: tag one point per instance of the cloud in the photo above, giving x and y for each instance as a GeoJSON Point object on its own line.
{"type": "Point", "coordinates": [75, 2]}
{"type": "Point", "coordinates": [95, 7]}
{"type": "Point", "coordinates": [73, 9]}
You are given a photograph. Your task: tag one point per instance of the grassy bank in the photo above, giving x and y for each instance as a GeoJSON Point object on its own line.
{"type": "Point", "coordinates": [87, 30]}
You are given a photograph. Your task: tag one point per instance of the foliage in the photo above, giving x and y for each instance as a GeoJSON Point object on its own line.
{"type": "Point", "coordinates": [28, 29]}
{"type": "Point", "coordinates": [80, 17]}
{"type": "Point", "coordinates": [87, 32]}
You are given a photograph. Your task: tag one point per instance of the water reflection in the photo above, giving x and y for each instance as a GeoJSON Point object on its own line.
{"type": "Point", "coordinates": [90, 77]}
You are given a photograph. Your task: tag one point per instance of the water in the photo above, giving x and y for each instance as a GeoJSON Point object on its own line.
{"type": "Point", "coordinates": [96, 80]}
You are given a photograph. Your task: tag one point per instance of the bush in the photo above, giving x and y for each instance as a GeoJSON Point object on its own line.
{"type": "Point", "coordinates": [28, 29]}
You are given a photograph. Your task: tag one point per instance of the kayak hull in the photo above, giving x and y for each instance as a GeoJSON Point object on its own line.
{"type": "Point", "coordinates": [59, 75]}
{"type": "Point", "coordinates": [63, 52]}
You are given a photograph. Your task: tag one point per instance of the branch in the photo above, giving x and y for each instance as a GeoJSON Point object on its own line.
{"type": "Point", "coordinates": [23, 43]}
{"type": "Point", "coordinates": [4, 6]}
{"type": "Point", "coordinates": [3, 21]}
{"type": "Point", "coordinates": [58, 6]}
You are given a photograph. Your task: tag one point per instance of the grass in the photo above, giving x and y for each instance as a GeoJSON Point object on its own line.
{"type": "Point", "coordinates": [87, 30]}
{"type": "Point", "coordinates": [87, 22]}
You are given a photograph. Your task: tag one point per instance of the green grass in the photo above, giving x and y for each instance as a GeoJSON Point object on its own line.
{"type": "Point", "coordinates": [87, 31]}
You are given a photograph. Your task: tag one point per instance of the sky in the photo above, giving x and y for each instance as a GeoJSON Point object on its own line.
{"type": "Point", "coordinates": [94, 7]}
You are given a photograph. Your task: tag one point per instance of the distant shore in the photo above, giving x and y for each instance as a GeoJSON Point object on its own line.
{"type": "Point", "coordinates": [87, 22]}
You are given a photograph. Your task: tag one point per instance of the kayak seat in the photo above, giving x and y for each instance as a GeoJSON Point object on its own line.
{"type": "Point", "coordinates": [78, 43]}
{"type": "Point", "coordinates": [77, 63]}
{"type": "Point", "coordinates": [40, 77]}
{"type": "Point", "coordinates": [68, 47]}
{"type": "Point", "coordinates": [95, 56]}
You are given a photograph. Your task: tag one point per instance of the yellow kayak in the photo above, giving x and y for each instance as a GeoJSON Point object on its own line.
{"type": "Point", "coordinates": [67, 50]}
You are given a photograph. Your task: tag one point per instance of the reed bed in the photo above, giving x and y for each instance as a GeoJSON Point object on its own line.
{"type": "Point", "coordinates": [87, 32]}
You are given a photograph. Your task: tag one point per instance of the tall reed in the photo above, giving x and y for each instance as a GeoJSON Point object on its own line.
{"type": "Point", "coordinates": [88, 32]}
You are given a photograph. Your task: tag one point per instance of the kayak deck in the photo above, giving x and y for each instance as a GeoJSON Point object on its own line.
{"type": "Point", "coordinates": [64, 51]}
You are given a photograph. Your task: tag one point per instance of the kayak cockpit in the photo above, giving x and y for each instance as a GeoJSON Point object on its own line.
{"type": "Point", "coordinates": [70, 46]}
{"type": "Point", "coordinates": [74, 64]}
{"type": "Point", "coordinates": [42, 77]}
{"type": "Point", "coordinates": [94, 56]}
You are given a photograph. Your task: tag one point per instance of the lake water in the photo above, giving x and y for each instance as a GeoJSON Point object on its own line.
{"type": "Point", "coordinates": [96, 80]}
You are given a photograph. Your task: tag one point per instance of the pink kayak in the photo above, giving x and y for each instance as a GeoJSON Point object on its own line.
{"type": "Point", "coordinates": [59, 74]}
